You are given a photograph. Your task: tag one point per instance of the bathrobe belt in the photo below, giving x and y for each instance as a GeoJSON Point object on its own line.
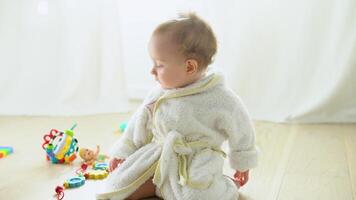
{"type": "Point", "coordinates": [174, 146]}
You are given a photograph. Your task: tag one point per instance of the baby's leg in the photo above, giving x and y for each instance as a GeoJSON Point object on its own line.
{"type": "Point", "coordinates": [236, 182]}
{"type": "Point", "coordinates": [144, 191]}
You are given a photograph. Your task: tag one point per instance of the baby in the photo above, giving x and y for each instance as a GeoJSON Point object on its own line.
{"type": "Point", "coordinates": [171, 146]}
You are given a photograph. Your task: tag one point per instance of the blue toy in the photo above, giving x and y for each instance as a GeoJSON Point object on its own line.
{"type": "Point", "coordinates": [74, 182]}
{"type": "Point", "coordinates": [122, 126]}
{"type": "Point", "coordinates": [101, 166]}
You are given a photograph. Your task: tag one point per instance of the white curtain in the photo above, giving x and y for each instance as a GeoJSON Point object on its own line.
{"type": "Point", "coordinates": [295, 61]}
{"type": "Point", "coordinates": [290, 61]}
{"type": "Point", "coordinates": [60, 58]}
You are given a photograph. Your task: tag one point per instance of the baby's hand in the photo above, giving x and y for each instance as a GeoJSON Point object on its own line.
{"type": "Point", "coordinates": [114, 163]}
{"type": "Point", "coordinates": [241, 177]}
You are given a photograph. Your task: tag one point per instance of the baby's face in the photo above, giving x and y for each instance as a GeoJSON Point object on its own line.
{"type": "Point", "coordinates": [168, 64]}
{"type": "Point", "coordinates": [88, 154]}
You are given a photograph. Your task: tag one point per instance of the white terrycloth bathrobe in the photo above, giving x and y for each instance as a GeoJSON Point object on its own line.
{"type": "Point", "coordinates": [178, 143]}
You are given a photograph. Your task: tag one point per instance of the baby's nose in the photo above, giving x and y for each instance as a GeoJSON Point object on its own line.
{"type": "Point", "coordinates": [153, 71]}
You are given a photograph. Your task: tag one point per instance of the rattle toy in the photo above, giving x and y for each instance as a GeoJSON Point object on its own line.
{"type": "Point", "coordinates": [99, 171]}
{"type": "Point", "coordinates": [61, 147]}
{"type": "Point", "coordinates": [70, 183]}
{"type": "Point", "coordinates": [4, 151]}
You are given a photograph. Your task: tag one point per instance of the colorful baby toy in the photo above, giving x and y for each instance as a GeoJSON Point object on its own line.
{"type": "Point", "coordinates": [61, 147]}
{"type": "Point", "coordinates": [72, 182]}
{"type": "Point", "coordinates": [99, 171]}
{"type": "Point", "coordinates": [5, 150]}
{"type": "Point", "coordinates": [96, 174]}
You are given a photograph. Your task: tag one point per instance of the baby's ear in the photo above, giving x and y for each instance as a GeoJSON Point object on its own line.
{"type": "Point", "coordinates": [191, 66]}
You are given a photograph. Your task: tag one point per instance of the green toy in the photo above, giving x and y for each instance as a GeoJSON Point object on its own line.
{"type": "Point", "coordinates": [5, 150]}
{"type": "Point", "coordinates": [123, 126]}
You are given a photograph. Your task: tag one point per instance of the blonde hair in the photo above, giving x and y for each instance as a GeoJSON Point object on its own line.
{"type": "Point", "coordinates": [194, 37]}
{"type": "Point", "coordinates": [82, 152]}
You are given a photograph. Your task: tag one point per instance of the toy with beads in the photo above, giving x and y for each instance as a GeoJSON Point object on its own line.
{"type": "Point", "coordinates": [70, 183]}
{"type": "Point", "coordinates": [74, 182]}
{"type": "Point", "coordinates": [99, 171]}
{"type": "Point", "coordinates": [61, 147]}
{"type": "Point", "coordinates": [96, 174]}
{"type": "Point", "coordinates": [101, 166]}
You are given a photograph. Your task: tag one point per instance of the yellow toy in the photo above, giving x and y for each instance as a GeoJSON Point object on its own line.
{"type": "Point", "coordinates": [96, 174]}
{"type": "Point", "coordinates": [89, 156]}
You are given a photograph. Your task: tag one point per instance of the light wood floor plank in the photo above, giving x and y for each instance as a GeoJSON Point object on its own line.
{"type": "Point", "coordinates": [274, 141]}
{"type": "Point", "coordinates": [317, 167]}
{"type": "Point", "coordinates": [350, 142]}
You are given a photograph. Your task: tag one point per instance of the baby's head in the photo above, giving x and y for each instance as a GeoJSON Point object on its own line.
{"type": "Point", "coordinates": [181, 50]}
{"type": "Point", "coordinates": [86, 154]}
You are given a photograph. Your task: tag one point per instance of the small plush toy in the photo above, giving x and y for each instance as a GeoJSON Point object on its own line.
{"type": "Point", "coordinates": [90, 156]}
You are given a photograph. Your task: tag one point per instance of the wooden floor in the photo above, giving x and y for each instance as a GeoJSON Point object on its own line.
{"type": "Point", "coordinates": [297, 162]}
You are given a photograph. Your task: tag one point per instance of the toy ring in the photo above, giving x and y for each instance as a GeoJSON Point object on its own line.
{"type": "Point", "coordinates": [48, 138]}
{"type": "Point", "coordinates": [74, 182]}
{"type": "Point", "coordinates": [101, 166]}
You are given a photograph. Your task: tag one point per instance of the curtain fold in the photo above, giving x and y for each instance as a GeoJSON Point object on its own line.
{"type": "Point", "coordinates": [299, 66]}
{"type": "Point", "coordinates": [61, 58]}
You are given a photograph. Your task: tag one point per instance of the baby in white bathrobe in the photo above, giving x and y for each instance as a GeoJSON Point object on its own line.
{"type": "Point", "coordinates": [171, 147]}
